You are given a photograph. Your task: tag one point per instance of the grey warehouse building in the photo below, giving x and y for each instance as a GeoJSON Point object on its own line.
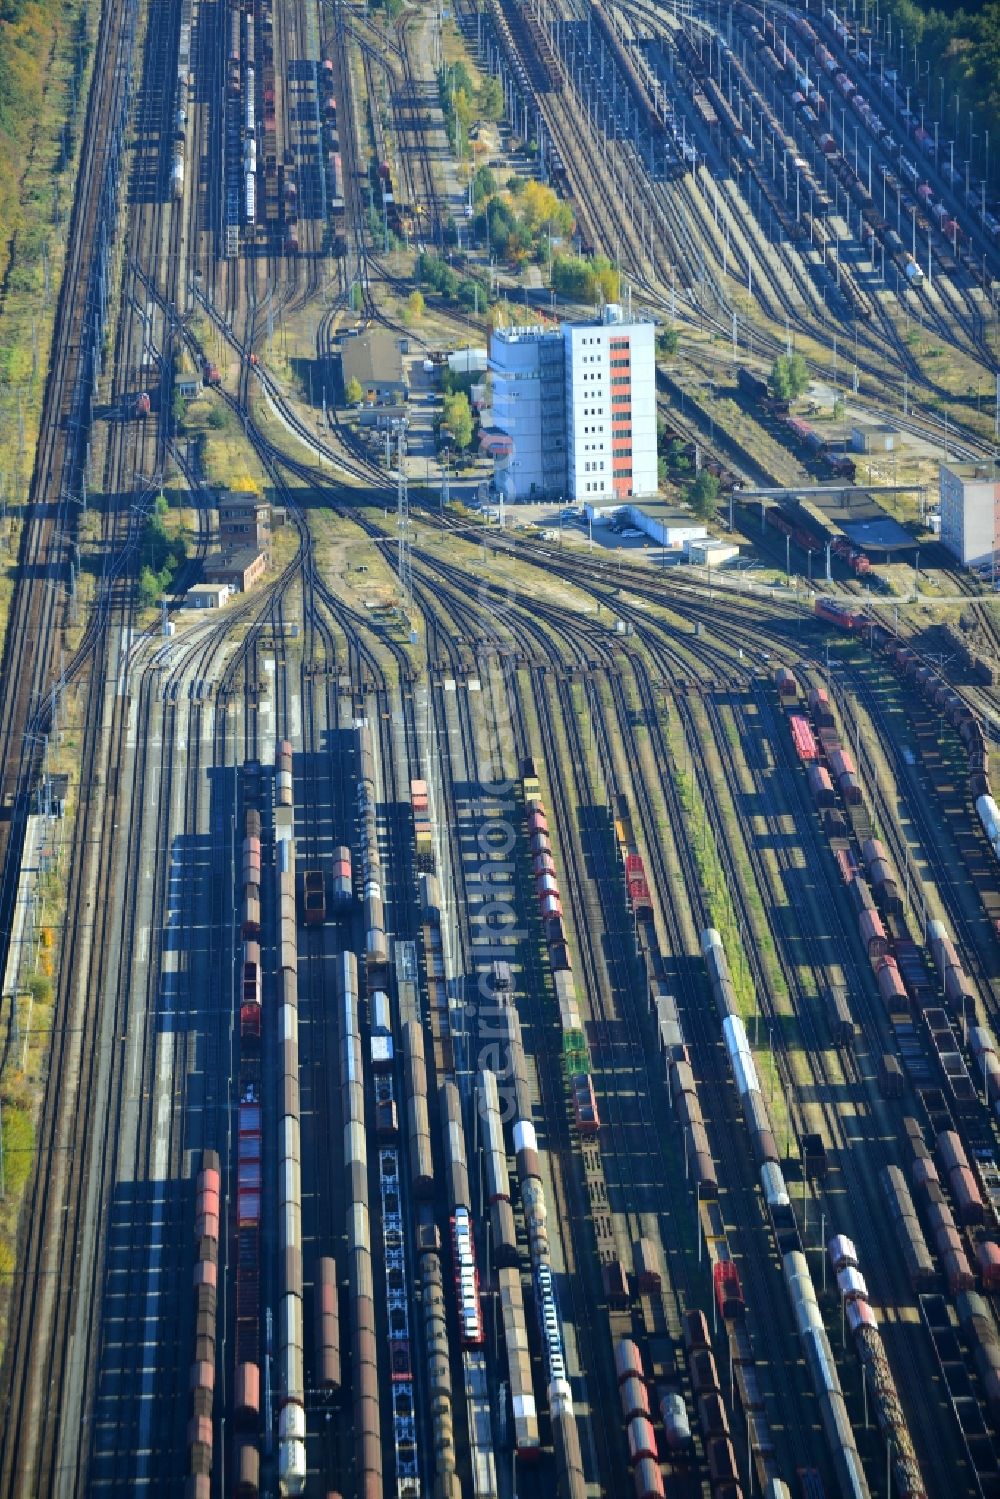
{"type": "Point", "coordinates": [375, 360]}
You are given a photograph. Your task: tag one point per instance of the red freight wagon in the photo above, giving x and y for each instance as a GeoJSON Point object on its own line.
{"type": "Point", "coordinates": [785, 683]}
{"type": "Point", "coordinates": [248, 1181]}
{"type": "Point", "coordinates": [803, 738]}
{"type": "Point", "coordinates": [399, 1359]}
{"type": "Point", "coordinates": [890, 987]}
{"type": "Point", "coordinates": [820, 785]}
{"type": "Point", "coordinates": [638, 887]}
{"type": "Point", "coordinates": [249, 1175]}
{"type": "Point", "coordinates": [988, 1261]}
{"type": "Point", "coordinates": [728, 1290]}
{"type": "Point", "coordinates": [873, 934]}
{"type": "Point", "coordinates": [588, 1120]}
{"type": "Point", "coordinates": [819, 707]}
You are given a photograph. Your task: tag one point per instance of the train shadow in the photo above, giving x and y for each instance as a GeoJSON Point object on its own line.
{"type": "Point", "coordinates": [155, 107]}
{"type": "Point", "coordinates": [175, 1103]}
{"type": "Point", "coordinates": [209, 40]}
{"type": "Point", "coordinates": [137, 1434]}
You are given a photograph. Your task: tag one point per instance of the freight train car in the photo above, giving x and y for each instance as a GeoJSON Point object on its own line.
{"type": "Point", "coordinates": [861, 1319]}
{"type": "Point", "coordinates": [940, 694]}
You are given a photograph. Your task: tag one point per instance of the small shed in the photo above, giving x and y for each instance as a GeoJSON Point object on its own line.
{"type": "Point", "coordinates": [468, 362]}
{"type": "Point", "coordinates": [187, 382]}
{"type": "Point", "coordinates": [873, 439]}
{"type": "Point", "coordinates": [380, 417]}
{"type": "Point", "coordinates": [207, 596]}
{"type": "Point", "coordinates": [711, 553]}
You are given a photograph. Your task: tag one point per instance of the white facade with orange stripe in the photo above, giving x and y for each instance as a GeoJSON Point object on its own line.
{"type": "Point", "coordinates": [587, 435]}
{"type": "Point", "coordinates": [610, 409]}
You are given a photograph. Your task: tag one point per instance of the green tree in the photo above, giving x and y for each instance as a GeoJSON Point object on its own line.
{"type": "Point", "coordinates": [456, 78]}
{"type": "Point", "coordinates": [149, 587]}
{"type": "Point", "coordinates": [789, 377]}
{"type": "Point", "coordinates": [677, 459]}
{"type": "Point", "coordinates": [457, 418]}
{"type": "Point", "coordinates": [484, 184]}
{"type": "Point", "coordinates": [357, 297]}
{"type": "Point", "coordinates": [573, 279]}
{"type": "Point", "coordinates": [353, 392]}
{"type": "Point", "coordinates": [703, 494]}
{"type": "Point", "coordinates": [960, 44]}
{"type": "Point", "coordinates": [40, 988]}
{"type": "Point", "coordinates": [587, 281]}
{"type": "Point", "coordinates": [491, 99]}
{"type": "Point", "coordinates": [667, 341]}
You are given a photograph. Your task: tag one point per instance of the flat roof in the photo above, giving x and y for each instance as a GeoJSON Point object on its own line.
{"type": "Point", "coordinates": [881, 532]}
{"type": "Point", "coordinates": [983, 469]}
{"type": "Point", "coordinates": [856, 512]}
{"type": "Point", "coordinates": [239, 559]}
{"type": "Point", "coordinates": [467, 358]}
{"type": "Point", "coordinates": [517, 331]}
{"type": "Point", "coordinates": [593, 325]}
{"type": "Point", "coordinates": [664, 510]}
{"type": "Point", "coordinates": [373, 358]}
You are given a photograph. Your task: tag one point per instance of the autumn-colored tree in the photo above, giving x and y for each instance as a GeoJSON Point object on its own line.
{"type": "Point", "coordinates": [414, 309]}
{"type": "Point", "coordinates": [244, 484]}
{"type": "Point", "coordinates": [542, 209]}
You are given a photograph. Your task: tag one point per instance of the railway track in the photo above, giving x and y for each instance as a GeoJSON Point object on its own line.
{"type": "Point", "coordinates": [173, 727]}
{"type": "Point", "coordinates": [860, 1154]}
{"type": "Point", "coordinates": [874, 1249]}
{"type": "Point", "coordinates": [623, 727]}
{"type": "Point", "coordinates": [601, 1437]}
{"type": "Point", "coordinates": [36, 609]}
{"type": "Point", "coordinates": [589, 172]}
